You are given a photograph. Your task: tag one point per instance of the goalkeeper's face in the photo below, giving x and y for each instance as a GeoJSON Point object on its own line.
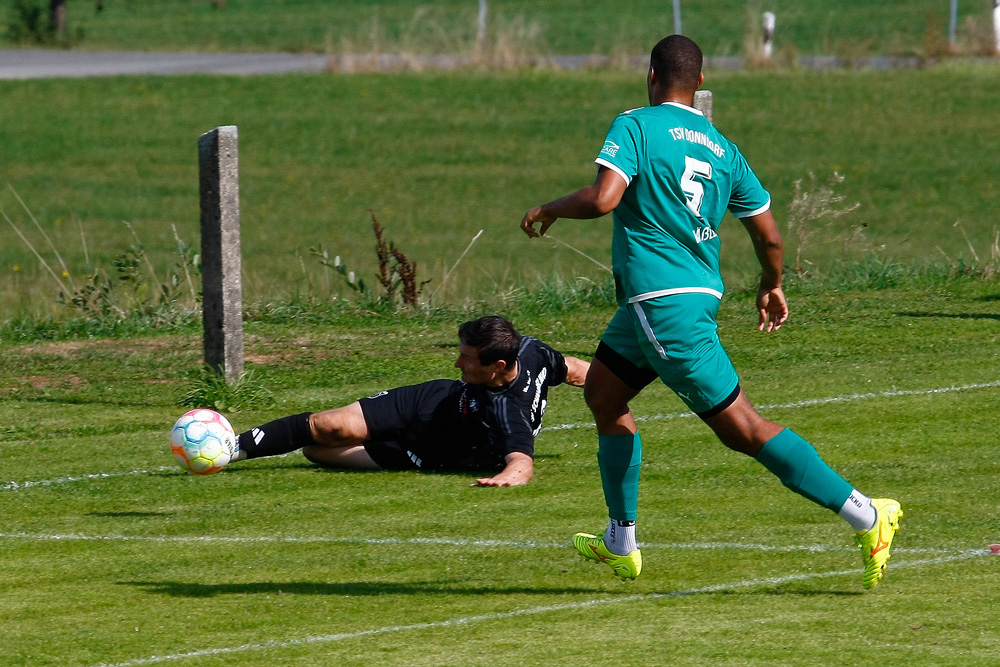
{"type": "Point", "coordinates": [473, 371]}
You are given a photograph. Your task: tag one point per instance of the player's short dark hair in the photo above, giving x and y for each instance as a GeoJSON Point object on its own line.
{"type": "Point", "coordinates": [677, 61]}
{"type": "Point", "coordinates": [494, 337]}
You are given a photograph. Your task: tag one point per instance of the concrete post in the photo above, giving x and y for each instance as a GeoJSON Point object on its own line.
{"type": "Point", "coordinates": [222, 287]}
{"type": "Point", "coordinates": [703, 103]}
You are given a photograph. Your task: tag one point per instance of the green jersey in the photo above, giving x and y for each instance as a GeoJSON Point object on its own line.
{"type": "Point", "coordinates": [682, 175]}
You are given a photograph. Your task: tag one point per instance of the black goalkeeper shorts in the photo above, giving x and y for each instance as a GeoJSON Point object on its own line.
{"type": "Point", "coordinates": [398, 418]}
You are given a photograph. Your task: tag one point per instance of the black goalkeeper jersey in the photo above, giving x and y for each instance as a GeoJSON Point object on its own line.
{"type": "Point", "coordinates": [474, 427]}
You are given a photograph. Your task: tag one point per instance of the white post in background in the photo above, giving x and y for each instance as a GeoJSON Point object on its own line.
{"type": "Point", "coordinates": [703, 103]}
{"type": "Point", "coordinates": [677, 18]}
{"type": "Point", "coordinates": [996, 24]}
{"type": "Point", "coordinates": [769, 23]}
{"type": "Point", "coordinates": [952, 22]}
{"type": "Point", "coordinates": [481, 27]}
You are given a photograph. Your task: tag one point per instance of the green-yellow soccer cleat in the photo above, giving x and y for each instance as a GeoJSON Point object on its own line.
{"type": "Point", "coordinates": [876, 541]}
{"type": "Point", "coordinates": [592, 547]}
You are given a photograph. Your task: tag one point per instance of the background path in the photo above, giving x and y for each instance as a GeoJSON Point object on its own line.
{"type": "Point", "coordinates": [41, 63]}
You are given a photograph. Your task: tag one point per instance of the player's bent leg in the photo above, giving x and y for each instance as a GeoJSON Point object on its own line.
{"type": "Point", "coordinates": [338, 436]}
{"type": "Point", "coordinates": [607, 397]}
{"type": "Point", "coordinates": [783, 452]}
{"type": "Point", "coordinates": [340, 427]}
{"type": "Point", "coordinates": [351, 456]}
{"type": "Point", "coordinates": [740, 427]}
{"type": "Point", "coordinates": [799, 467]}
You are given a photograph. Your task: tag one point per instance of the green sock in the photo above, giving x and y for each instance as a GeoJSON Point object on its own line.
{"type": "Point", "coordinates": [799, 467]}
{"type": "Point", "coordinates": [619, 457]}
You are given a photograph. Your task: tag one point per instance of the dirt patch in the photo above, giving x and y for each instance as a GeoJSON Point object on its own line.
{"type": "Point", "coordinates": [71, 348]}
{"type": "Point", "coordinates": [65, 382]}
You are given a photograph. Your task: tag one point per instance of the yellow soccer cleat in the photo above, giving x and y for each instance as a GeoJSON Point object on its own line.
{"type": "Point", "coordinates": [592, 547]}
{"type": "Point", "coordinates": [876, 541]}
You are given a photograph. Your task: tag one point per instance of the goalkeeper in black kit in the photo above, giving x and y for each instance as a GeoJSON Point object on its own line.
{"type": "Point", "coordinates": [486, 422]}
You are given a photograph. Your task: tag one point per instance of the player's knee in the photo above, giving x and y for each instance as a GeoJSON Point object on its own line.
{"type": "Point", "coordinates": [328, 427]}
{"type": "Point", "coordinates": [748, 436]}
{"type": "Point", "coordinates": [606, 409]}
{"type": "Point", "coordinates": [595, 401]}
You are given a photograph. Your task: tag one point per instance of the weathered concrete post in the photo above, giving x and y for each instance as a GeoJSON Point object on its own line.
{"type": "Point", "coordinates": [703, 103]}
{"type": "Point", "coordinates": [222, 287]}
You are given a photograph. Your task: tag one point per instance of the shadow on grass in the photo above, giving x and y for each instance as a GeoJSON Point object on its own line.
{"type": "Point", "coordinates": [259, 466]}
{"type": "Point", "coordinates": [960, 316]}
{"type": "Point", "coordinates": [784, 591]}
{"type": "Point", "coordinates": [359, 588]}
{"type": "Point", "coordinates": [126, 515]}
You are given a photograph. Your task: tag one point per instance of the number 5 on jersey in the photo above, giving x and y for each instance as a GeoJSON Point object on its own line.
{"type": "Point", "coordinates": [694, 190]}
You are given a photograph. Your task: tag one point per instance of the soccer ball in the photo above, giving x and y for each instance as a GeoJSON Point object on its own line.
{"type": "Point", "coordinates": [203, 441]}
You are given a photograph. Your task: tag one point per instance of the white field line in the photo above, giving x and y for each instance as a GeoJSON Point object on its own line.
{"type": "Point", "coordinates": [530, 611]}
{"type": "Point", "coordinates": [439, 541]}
{"type": "Point", "coordinates": [808, 403]}
{"type": "Point", "coordinates": [17, 486]}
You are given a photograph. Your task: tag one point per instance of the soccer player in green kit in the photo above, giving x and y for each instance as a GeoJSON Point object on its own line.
{"type": "Point", "coordinates": [669, 176]}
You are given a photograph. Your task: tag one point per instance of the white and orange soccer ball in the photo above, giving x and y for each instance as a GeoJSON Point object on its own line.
{"type": "Point", "coordinates": [203, 441]}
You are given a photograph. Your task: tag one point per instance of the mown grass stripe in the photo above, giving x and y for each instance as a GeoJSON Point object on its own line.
{"type": "Point", "coordinates": [895, 393]}
{"type": "Point", "coordinates": [531, 611]}
{"type": "Point", "coordinates": [808, 403]}
{"type": "Point", "coordinates": [442, 541]}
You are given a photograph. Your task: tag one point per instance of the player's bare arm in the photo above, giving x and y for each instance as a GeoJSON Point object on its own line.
{"type": "Point", "coordinates": [576, 371]}
{"type": "Point", "coordinates": [593, 201]}
{"type": "Point", "coordinates": [769, 247]}
{"type": "Point", "coordinates": [519, 469]}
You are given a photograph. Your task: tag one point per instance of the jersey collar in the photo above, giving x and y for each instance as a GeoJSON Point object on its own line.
{"type": "Point", "coordinates": [682, 106]}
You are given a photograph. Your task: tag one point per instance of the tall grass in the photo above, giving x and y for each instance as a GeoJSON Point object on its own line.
{"type": "Point", "coordinates": [855, 28]}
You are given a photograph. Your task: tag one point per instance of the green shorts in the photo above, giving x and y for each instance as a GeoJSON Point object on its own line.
{"type": "Point", "coordinates": [676, 339]}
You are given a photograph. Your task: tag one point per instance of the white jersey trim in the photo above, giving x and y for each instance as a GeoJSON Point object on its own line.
{"type": "Point", "coordinates": [682, 106]}
{"type": "Point", "coordinates": [675, 290]}
{"type": "Point", "coordinates": [758, 211]}
{"type": "Point", "coordinates": [614, 168]}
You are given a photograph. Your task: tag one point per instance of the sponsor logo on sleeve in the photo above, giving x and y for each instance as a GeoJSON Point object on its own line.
{"type": "Point", "coordinates": [610, 148]}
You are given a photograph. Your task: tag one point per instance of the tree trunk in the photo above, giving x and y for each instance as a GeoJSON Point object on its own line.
{"type": "Point", "coordinates": [57, 17]}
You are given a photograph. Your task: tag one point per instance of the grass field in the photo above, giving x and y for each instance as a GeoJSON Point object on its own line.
{"type": "Point", "coordinates": [549, 26]}
{"type": "Point", "coordinates": [112, 556]}
{"type": "Point", "coordinates": [439, 157]}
